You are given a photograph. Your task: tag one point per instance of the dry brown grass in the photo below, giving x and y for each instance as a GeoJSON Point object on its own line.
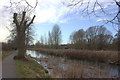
{"type": "Point", "coordinates": [81, 71]}
{"type": "Point", "coordinates": [72, 69]}
{"type": "Point", "coordinates": [70, 72]}
{"type": "Point", "coordinates": [101, 56]}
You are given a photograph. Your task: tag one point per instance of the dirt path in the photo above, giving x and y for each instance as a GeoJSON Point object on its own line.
{"type": "Point", "coordinates": [9, 68]}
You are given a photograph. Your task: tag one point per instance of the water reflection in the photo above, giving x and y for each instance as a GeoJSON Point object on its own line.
{"type": "Point", "coordinates": [35, 54]}
{"type": "Point", "coordinates": [112, 69]}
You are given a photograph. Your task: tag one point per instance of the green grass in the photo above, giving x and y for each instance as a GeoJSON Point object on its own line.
{"type": "Point", "coordinates": [30, 69]}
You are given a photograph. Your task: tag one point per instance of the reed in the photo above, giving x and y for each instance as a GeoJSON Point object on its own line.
{"type": "Point", "coordinates": [100, 56]}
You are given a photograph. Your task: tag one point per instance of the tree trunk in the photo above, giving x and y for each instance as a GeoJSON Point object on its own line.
{"type": "Point", "coordinates": [21, 35]}
{"type": "Point", "coordinates": [21, 45]}
{"type": "Point", "coordinates": [118, 45]}
{"type": "Point", "coordinates": [119, 52]}
{"type": "Point", "coordinates": [118, 36]}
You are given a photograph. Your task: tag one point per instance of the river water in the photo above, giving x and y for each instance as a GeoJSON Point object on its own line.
{"type": "Point", "coordinates": [60, 67]}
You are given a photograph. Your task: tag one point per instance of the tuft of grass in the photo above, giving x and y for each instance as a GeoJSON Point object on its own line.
{"type": "Point", "coordinates": [30, 69]}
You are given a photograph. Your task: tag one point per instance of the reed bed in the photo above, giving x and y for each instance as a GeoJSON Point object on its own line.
{"type": "Point", "coordinates": [59, 68]}
{"type": "Point", "coordinates": [100, 56]}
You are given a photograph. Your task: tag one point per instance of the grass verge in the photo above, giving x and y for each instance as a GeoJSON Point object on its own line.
{"type": "Point", "coordinates": [30, 69]}
{"type": "Point", "coordinates": [6, 53]}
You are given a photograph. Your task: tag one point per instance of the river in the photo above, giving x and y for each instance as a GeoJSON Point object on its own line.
{"type": "Point", "coordinates": [60, 67]}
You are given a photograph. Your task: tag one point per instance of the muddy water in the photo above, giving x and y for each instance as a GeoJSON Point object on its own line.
{"type": "Point", "coordinates": [63, 68]}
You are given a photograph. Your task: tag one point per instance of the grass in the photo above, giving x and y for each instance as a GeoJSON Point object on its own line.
{"type": "Point", "coordinates": [100, 56]}
{"type": "Point", "coordinates": [6, 53]}
{"type": "Point", "coordinates": [30, 69]}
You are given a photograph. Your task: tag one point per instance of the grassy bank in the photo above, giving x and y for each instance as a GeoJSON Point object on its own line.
{"type": "Point", "coordinates": [30, 69]}
{"type": "Point", "coordinates": [100, 56]}
{"type": "Point", "coordinates": [6, 53]}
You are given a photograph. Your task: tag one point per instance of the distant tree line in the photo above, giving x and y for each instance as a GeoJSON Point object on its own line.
{"type": "Point", "coordinates": [9, 45]}
{"type": "Point", "coordinates": [94, 38]}
{"type": "Point", "coordinates": [53, 40]}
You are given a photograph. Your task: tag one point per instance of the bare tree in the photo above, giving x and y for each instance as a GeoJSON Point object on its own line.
{"type": "Point", "coordinates": [78, 39]}
{"type": "Point", "coordinates": [21, 28]}
{"type": "Point", "coordinates": [98, 36]}
{"type": "Point", "coordinates": [94, 38]}
{"type": "Point", "coordinates": [45, 40]}
{"type": "Point", "coordinates": [42, 40]}
{"type": "Point", "coordinates": [103, 37]}
{"type": "Point", "coordinates": [54, 38]}
{"type": "Point", "coordinates": [29, 36]}
{"type": "Point", "coordinates": [22, 20]}
{"type": "Point", "coordinates": [13, 33]}
{"type": "Point", "coordinates": [90, 34]}
{"type": "Point", "coordinates": [50, 39]}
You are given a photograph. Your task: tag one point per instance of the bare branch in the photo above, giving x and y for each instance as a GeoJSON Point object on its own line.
{"type": "Point", "coordinates": [17, 3]}
{"type": "Point", "coordinates": [31, 5]}
{"type": "Point", "coordinates": [15, 19]}
{"type": "Point", "coordinates": [10, 3]}
{"type": "Point", "coordinates": [117, 3]}
{"type": "Point", "coordinates": [81, 1]}
{"type": "Point", "coordinates": [31, 22]}
{"type": "Point", "coordinates": [28, 4]}
{"type": "Point", "coordinates": [93, 11]}
{"type": "Point", "coordinates": [102, 9]}
{"type": "Point", "coordinates": [112, 20]}
{"type": "Point", "coordinates": [86, 9]}
{"type": "Point", "coordinates": [23, 18]}
{"type": "Point", "coordinates": [36, 4]}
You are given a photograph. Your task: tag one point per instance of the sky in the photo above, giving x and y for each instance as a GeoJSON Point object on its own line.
{"type": "Point", "coordinates": [51, 12]}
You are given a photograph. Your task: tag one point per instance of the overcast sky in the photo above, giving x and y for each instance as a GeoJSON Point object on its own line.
{"type": "Point", "coordinates": [51, 12]}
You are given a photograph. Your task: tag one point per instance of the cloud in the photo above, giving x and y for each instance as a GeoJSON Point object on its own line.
{"type": "Point", "coordinates": [63, 21]}
{"type": "Point", "coordinates": [50, 11]}
{"type": "Point", "coordinates": [100, 20]}
{"type": "Point", "coordinates": [3, 34]}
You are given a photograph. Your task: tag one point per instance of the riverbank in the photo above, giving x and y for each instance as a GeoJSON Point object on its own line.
{"type": "Point", "coordinates": [100, 56]}
{"type": "Point", "coordinates": [31, 69]}
{"type": "Point", "coordinates": [59, 67]}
